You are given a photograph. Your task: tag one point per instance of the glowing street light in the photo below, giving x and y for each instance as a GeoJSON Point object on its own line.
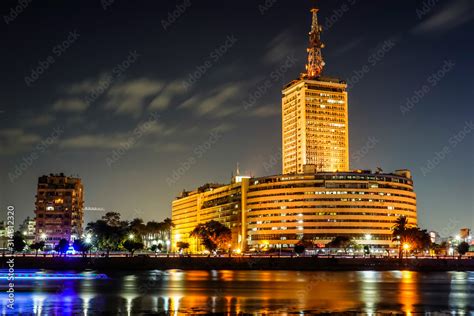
{"type": "Point", "coordinates": [406, 246]}
{"type": "Point", "coordinates": [43, 236]}
{"type": "Point", "coordinates": [88, 239]}
{"type": "Point", "coordinates": [131, 236]}
{"type": "Point", "coordinates": [368, 237]}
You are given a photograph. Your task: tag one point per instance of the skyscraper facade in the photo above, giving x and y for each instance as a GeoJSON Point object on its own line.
{"type": "Point", "coordinates": [315, 131]}
{"type": "Point", "coordinates": [59, 208]}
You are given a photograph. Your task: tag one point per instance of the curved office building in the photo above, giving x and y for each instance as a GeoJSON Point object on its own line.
{"type": "Point", "coordinates": [278, 211]}
{"type": "Point", "coordinates": [364, 206]}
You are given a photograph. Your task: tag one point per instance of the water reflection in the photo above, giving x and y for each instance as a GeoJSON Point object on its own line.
{"type": "Point", "coordinates": [178, 292]}
{"type": "Point", "coordinates": [408, 293]}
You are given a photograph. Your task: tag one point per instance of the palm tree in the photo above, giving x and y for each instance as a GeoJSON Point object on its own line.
{"type": "Point", "coordinates": [166, 226]}
{"type": "Point", "coordinates": [399, 230]}
{"type": "Point", "coordinates": [138, 227]}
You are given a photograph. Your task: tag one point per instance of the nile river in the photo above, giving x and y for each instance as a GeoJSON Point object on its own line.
{"type": "Point", "coordinates": [273, 292]}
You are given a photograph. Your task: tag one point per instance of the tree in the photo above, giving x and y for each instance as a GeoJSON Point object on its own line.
{"type": "Point", "coordinates": [37, 246]}
{"type": "Point", "coordinates": [62, 246]}
{"type": "Point", "coordinates": [108, 232]}
{"type": "Point", "coordinates": [463, 248]}
{"type": "Point", "coordinates": [213, 235]}
{"type": "Point", "coordinates": [401, 224]}
{"type": "Point", "coordinates": [18, 242]}
{"type": "Point", "coordinates": [415, 238]}
{"type": "Point", "coordinates": [343, 242]}
{"type": "Point", "coordinates": [81, 246]}
{"type": "Point", "coordinates": [132, 246]}
{"type": "Point", "coordinates": [138, 227]}
{"type": "Point", "coordinates": [112, 219]}
{"type": "Point", "coordinates": [167, 226]}
{"type": "Point", "coordinates": [181, 245]}
{"type": "Point", "coordinates": [299, 247]}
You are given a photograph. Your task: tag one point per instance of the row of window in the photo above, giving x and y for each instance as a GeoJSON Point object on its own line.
{"type": "Point", "coordinates": [258, 203]}
{"type": "Point", "coordinates": [333, 206]}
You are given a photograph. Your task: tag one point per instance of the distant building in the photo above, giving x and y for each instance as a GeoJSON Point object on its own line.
{"type": "Point", "coordinates": [464, 233]}
{"type": "Point", "coordinates": [278, 211]}
{"type": "Point", "coordinates": [435, 237]}
{"type": "Point", "coordinates": [59, 208]}
{"type": "Point", "coordinates": [28, 229]}
{"type": "Point", "coordinates": [3, 235]}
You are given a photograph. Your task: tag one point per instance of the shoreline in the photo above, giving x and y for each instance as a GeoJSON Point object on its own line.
{"type": "Point", "coordinates": [239, 263]}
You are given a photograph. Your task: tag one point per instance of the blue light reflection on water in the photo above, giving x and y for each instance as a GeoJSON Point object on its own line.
{"type": "Point", "coordinates": [232, 292]}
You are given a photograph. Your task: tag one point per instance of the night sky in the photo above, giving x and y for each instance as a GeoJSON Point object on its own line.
{"type": "Point", "coordinates": [142, 99]}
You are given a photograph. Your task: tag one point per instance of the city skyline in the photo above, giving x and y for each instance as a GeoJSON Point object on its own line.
{"type": "Point", "coordinates": [151, 110]}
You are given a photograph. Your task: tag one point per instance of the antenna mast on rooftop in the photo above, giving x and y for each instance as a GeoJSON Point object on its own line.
{"type": "Point", "coordinates": [315, 64]}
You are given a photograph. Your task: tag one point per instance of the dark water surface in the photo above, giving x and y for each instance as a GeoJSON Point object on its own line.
{"type": "Point", "coordinates": [272, 292]}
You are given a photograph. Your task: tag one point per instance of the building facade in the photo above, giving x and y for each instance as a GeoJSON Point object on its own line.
{"type": "Point", "coordinates": [222, 203]}
{"type": "Point", "coordinates": [59, 208]}
{"type": "Point", "coordinates": [278, 211]}
{"type": "Point", "coordinates": [28, 229]}
{"type": "Point", "coordinates": [314, 109]}
{"type": "Point", "coordinates": [315, 127]}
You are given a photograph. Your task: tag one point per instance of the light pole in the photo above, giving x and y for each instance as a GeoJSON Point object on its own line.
{"type": "Point", "coordinates": [406, 247]}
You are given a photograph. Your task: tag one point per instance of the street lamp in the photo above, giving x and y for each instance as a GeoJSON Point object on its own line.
{"type": "Point", "coordinates": [406, 247]}
{"type": "Point", "coordinates": [368, 237]}
{"type": "Point", "coordinates": [43, 236]}
{"type": "Point", "coordinates": [130, 236]}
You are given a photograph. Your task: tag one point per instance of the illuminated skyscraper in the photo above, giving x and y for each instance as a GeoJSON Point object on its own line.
{"type": "Point", "coordinates": [315, 131]}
